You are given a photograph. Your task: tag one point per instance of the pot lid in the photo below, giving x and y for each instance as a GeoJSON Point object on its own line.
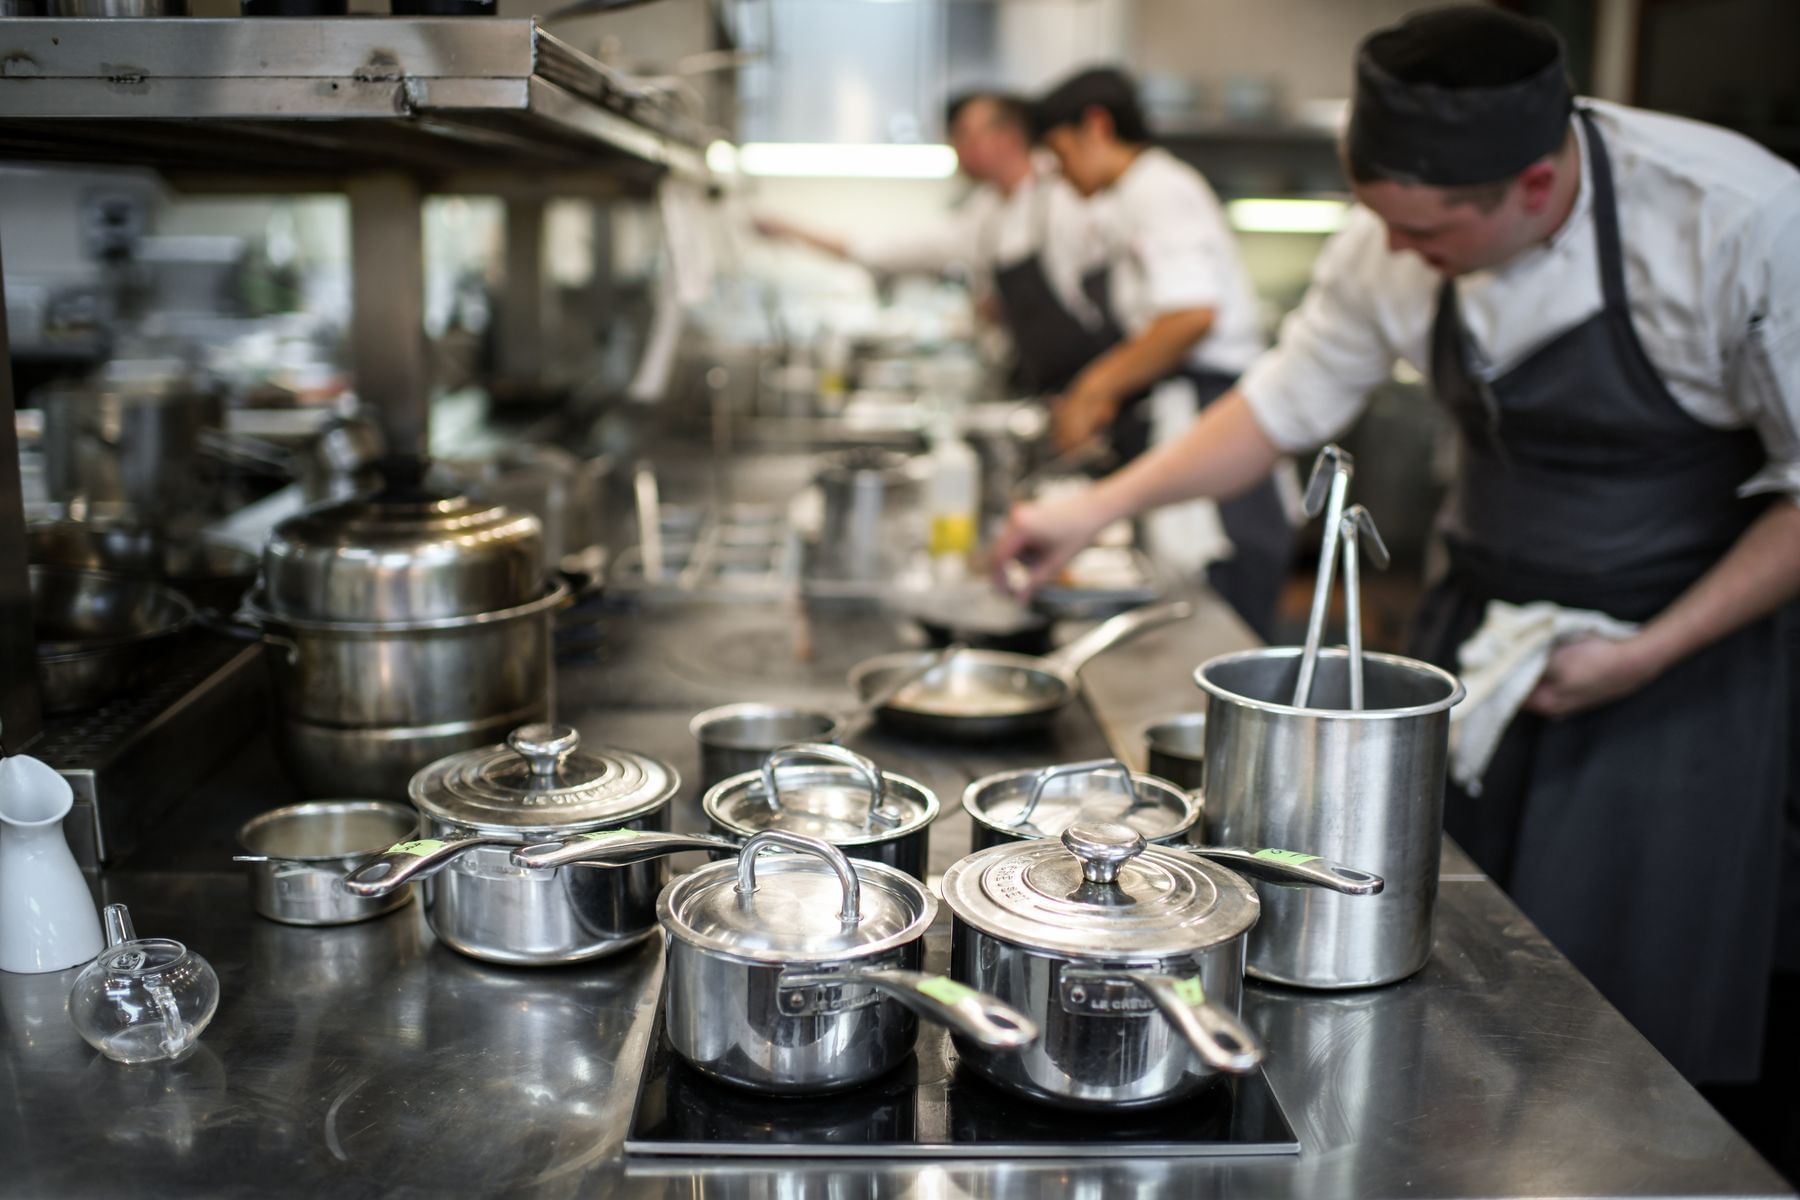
{"type": "Point", "coordinates": [1043, 803]}
{"type": "Point", "coordinates": [811, 906]}
{"type": "Point", "coordinates": [541, 780]}
{"type": "Point", "coordinates": [407, 554]}
{"type": "Point", "coordinates": [1099, 892]}
{"type": "Point", "coordinates": [846, 800]}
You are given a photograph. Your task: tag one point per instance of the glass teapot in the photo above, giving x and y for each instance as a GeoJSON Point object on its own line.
{"type": "Point", "coordinates": [142, 1000]}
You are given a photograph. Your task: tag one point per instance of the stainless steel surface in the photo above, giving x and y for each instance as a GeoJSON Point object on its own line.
{"type": "Point", "coordinates": [735, 738]}
{"type": "Point", "coordinates": [99, 636]}
{"type": "Point", "coordinates": [129, 437]}
{"type": "Point", "coordinates": [1364, 788]}
{"type": "Point", "coordinates": [378, 93]}
{"type": "Point", "coordinates": [1176, 749]}
{"type": "Point", "coordinates": [1091, 939]}
{"type": "Point", "coordinates": [854, 805]}
{"type": "Point", "coordinates": [1036, 803]}
{"type": "Point", "coordinates": [118, 8]}
{"type": "Point", "coordinates": [298, 854]}
{"type": "Point", "coordinates": [1325, 492]}
{"type": "Point", "coordinates": [402, 557]}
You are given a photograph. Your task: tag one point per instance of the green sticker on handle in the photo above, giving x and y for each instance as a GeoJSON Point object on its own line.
{"type": "Point", "coordinates": [1292, 857]}
{"type": "Point", "coordinates": [421, 847]}
{"type": "Point", "coordinates": [608, 835]}
{"type": "Point", "coordinates": [1190, 991]}
{"type": "Point", "coordinates": [941, 987]}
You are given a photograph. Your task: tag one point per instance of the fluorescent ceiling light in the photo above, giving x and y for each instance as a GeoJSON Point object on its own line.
{"type": "Point", "coordinates": [818, 161]}
{"type": "Point", "coordinates": [1286, 215]}
{"type": "Point", "coordinates": [722, 158]}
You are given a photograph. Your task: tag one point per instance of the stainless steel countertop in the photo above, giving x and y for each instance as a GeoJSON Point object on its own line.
{"type": "Point", "coordinates": [369, 1061]}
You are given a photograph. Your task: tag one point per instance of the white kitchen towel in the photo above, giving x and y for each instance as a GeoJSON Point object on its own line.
{"type": "Point", "coordinates": [1501, 662]}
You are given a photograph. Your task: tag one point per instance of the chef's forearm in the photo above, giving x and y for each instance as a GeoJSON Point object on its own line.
{"type": "Point", "coordinates": [1152, 355]}
{"type": "Point", "coordinates": [1759, 574]}
{"type": "Point", "coordinates": [1223, 453]}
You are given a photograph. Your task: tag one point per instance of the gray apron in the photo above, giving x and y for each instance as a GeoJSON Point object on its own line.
{"type": "Point", "coordinates": [1642, 837]}
{"type": "Point", "coordinates": [1053, 346]}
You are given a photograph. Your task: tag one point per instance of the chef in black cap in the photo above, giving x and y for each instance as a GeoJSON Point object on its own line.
{"type": "Point", "coordinates": [1608, 303]}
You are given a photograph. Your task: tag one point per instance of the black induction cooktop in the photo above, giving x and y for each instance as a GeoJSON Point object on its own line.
{"type": "Point", "coordinates": [930, 1106]}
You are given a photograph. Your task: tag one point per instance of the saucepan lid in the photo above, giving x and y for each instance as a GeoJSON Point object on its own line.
{"type": "Point", "coordinates": [822, 791]}
{"type": "Point", "coordinates": [542, 779]}
{"type": "Point", "coordinates": [1042, 802]}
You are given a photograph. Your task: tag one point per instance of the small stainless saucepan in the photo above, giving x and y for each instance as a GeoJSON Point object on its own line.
{"type": "Point", "coordinates": [1128, 957]}
{"type": "Point", "coordinates": [798, 972]}
{"type": "Point", "coordinates": [300, 853]}
{"type": "Point", "coordinates": [981, 694]}
{"type": "Point", "coordinates": [1039, 802]}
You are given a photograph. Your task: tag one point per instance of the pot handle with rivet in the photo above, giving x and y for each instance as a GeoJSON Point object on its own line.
{"type": "Point", "coordinates": [1223, 1042]}
{"type": "Point", "coordinates": [1291, 868]}
{"type": "Point", "coordinates": [406, 862]}
{"type": "Point", "coordinates": [614, 848]}
{"type": "Point", "coordinates": [981, 1018]}
{"type": "Point", "coordinates": [879, 811]}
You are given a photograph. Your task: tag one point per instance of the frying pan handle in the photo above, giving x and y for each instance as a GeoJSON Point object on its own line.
{"type": "Point", "coordinates": [879, 812]}
{"type": "Point", "coordinates": [406, 862]}
{"type": "Point", "coordinates": [1111, 632]}
{"type": "Point", "coordinates": [1095, 766]}
{"type": "Point", "coordinates": [1294, 869]}
{"type": "Point", "coordinates": [975, 1015]}
{"type": "Point", "coordinates": [1223, 1042]}
{"type": "Point", "coordinates": [614, 848]}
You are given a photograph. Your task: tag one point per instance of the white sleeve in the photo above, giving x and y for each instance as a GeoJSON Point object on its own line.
{"type": "Point", "coordinates": [951, 240]}
{"type": "Point", "coordinates": [1332, 350]}
{"type": "Point", "coordinates": [1181, 243]}
{"type": "Point", "coordinates": [1760, 302]}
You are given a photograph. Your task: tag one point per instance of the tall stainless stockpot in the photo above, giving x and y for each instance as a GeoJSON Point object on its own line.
{"type": "Point", "coordinates": [799, 972]}
{"type": "Point", "coordinates": [1358, 785]}
{"type": "Point", "coordinates": [1041, 802]}
{"type": "Point", "coordinates": [1128, 957]}
{"type": "Point", "coordinates": [845, 800]}
{"type": "Point", "coordinates": [481, 805]}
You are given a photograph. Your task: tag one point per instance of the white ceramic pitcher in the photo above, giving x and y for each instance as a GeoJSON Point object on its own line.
{"type": "Point", "coordinates": [47, 916]}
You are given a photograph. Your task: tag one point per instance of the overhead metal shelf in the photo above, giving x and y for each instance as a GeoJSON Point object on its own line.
{"type": "Point", "coordinates": [441, 98]}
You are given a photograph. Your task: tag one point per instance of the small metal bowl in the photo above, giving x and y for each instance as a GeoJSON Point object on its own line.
{"type": "Point", "coordinates": [300, 854]}
{"type": "Point", "coordinates": [1177, 749]}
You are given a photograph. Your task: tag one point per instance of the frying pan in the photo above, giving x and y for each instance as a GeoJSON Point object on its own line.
{"type": "Point", "coordinates": [979, 694]}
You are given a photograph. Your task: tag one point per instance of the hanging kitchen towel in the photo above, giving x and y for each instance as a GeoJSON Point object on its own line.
{"type": "Point", "coordinates": [1500, 663]}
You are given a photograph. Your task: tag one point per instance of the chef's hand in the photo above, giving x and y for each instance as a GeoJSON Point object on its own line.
{"type": "Point", "coordinates": [1589, 673]}
{"type": "Point", "coordinates": [1042, 536]}
{"type": "Point", "coordinates": [1082, 412]}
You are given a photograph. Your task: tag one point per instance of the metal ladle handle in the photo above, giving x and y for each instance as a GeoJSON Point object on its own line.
{"type": "Point", "coordinates": [1103, 847]}
{"type": "Point", "coordinates": [1325, 490]}
{"type": "Point", "coordinates": [879, 813]}
{"type": "Point", "coordinates": [851, 911]}
{"type": "Point", "coordinates": [1356, 526]}
{"type": "Point", "coordinates": [1096, 766]}
{"type": "Point", "coordinates": [544, 746]}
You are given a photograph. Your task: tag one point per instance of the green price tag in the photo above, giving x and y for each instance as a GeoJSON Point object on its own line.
{"type": "Point", "coordinates": [421, 847]}
{"type": "Point", "coordinates": [1190, 991]}
{"type": "Point", "coordinates": [938, 987]}
{"type": "Point", "coordinates": [609, 835]}
{"type": "Point", "coordinates": [1293, 857]}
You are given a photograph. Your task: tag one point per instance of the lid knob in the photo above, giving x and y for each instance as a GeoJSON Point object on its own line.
{"type": "Point", "coordinates": [1103, 847]}
{"type": "Point", "coordinates": [544, 746]}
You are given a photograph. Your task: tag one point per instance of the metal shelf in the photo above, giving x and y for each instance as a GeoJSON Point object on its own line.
{"type": "Point", "coordinates": [455, 101]}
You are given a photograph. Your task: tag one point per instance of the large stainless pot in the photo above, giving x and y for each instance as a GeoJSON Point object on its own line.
{"type": "Point", "coordinates": [1363, 786]}
{"type": "Point", "coordinates": [846, 801]}
{"type": "Point", "coordinates": [481, 805]}
{"type": "Point", "coordinates": [1128, 957]}
{"type": "Point", "coordinates": [98, 635]}
{"type": "Point", "coordinates": [799, 972]}
{"type": "Point", "coordinates": [1041, 802]}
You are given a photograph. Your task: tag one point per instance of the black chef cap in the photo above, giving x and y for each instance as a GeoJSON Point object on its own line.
{"type": "Point", "coordinates": [1105, 88]}
{"type": "Point", "coordinates": [1458, 96]}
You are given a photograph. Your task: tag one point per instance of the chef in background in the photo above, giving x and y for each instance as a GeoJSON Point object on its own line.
{"type": "Point", "coordinates": [1607, 301]}
{"type": "Point", "coordinates": [1181, 324]}
{"type": "Point", "coordinates": [1022, 234]}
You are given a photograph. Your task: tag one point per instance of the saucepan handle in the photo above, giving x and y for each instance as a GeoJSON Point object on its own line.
{"type": "Point", "coordinates": [614, 848]}
{"type": "Point", "coordinates": [1293, 868]}
{"type": "Point", "coordinates": [974, 1015]}
{"type": "Point", "coordinates": [409, 861]}
{"type": "Point", "coordinates": [1223, 1042]}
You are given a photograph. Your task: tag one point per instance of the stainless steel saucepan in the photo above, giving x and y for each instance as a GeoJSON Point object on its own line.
{"type": "Point", "coordinates": [980, 694]}
{"type": "Point", "coordinates": [1040, 802]}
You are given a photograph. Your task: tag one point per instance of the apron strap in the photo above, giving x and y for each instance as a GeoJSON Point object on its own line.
{"type": "Point", "coordinates": [1606, 216]}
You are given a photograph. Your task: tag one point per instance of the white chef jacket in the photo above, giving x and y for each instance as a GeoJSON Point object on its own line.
{"type": "Point", "coordinates": [990, 230]}
{"type": "Point", "coordinates": [1165, 238]}
{"type": "Point", "coordinates": [1710, 225]}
